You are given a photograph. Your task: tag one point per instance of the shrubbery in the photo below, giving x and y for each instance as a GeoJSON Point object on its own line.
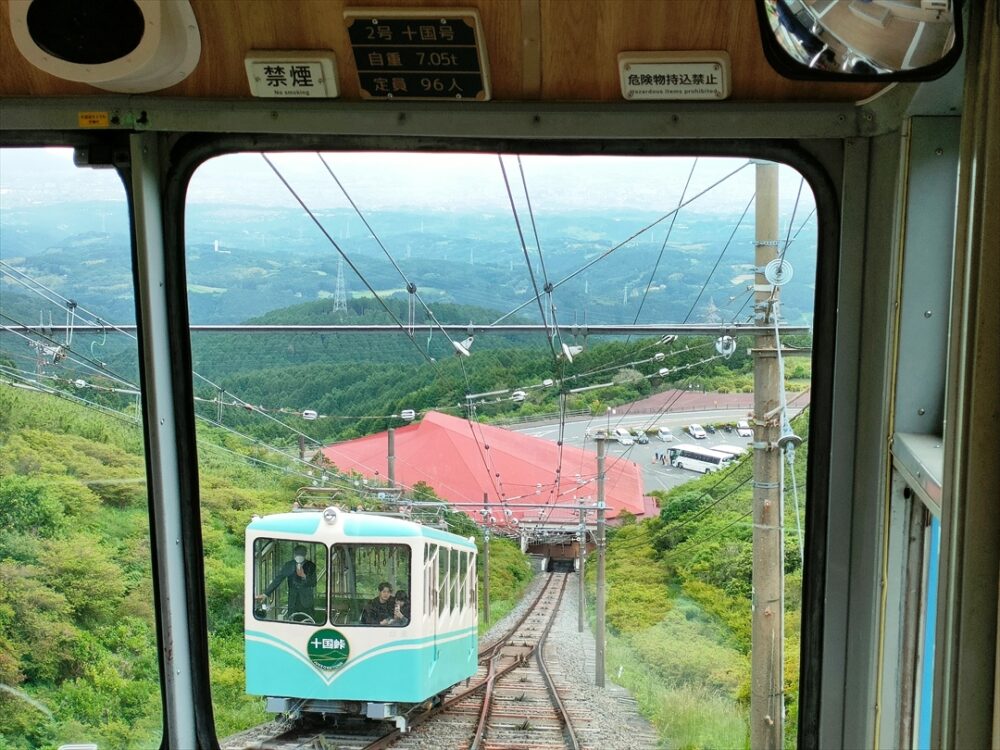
{"type": "Point", "coordinates": [78, 655]}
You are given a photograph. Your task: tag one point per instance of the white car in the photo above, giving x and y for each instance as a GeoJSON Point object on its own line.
{"type": "Point", "coordinates": [697, 431]}
{"type": "Point", "coordinates": [664, 434]}
{"type": "Point", "coordinates": [744, 430]}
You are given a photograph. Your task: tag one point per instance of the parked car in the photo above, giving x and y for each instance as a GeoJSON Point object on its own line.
{"type": "Point", "coordinates": [664, 434]}
{"type": "Point", "coordinates": [743, 429]}
{"type": "Point", "coordinates": [697, 431]}
{"type": "Point", "coordinates": [623, 436]}
{"type": "Point", "coordinates": [640, 437]}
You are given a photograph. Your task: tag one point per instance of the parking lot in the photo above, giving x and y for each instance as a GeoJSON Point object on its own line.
{"type": "Point", "coordinates": [656, 476]}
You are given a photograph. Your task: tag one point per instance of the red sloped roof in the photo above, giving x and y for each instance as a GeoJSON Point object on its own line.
{"type": "Point", "coordinates": [462, 460]}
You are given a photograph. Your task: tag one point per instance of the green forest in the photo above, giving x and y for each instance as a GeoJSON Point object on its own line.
{"type": "Point", "coordinates": [260, 384]}
{"type": "Point", "coordinates": [78, 659]}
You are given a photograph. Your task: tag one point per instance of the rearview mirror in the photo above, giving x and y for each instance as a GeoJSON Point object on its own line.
{"type": "Point", "coordinates": [861, 40]}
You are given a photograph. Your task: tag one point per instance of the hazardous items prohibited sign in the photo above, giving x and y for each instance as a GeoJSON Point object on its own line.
{"type": "Point", "coordinates": [415, 53]}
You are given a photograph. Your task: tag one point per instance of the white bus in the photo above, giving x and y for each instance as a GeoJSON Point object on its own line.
{"type": "Point", "coordinates": [735, 451]}
{"type": "Point", "coordinates": [693, 458]}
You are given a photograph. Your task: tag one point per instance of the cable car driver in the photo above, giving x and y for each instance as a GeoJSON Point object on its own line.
{"type": "Point", "coordinates": [301, 576]}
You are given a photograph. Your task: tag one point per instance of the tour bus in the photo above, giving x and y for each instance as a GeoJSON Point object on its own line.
{"type": "Point", "coordinates": [693, 458]}
{"type": "Point", "coordinates": [735, 451]}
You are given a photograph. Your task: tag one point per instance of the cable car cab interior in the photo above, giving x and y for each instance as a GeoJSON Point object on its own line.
{"type": "Point", "coordinates": [888, 110]}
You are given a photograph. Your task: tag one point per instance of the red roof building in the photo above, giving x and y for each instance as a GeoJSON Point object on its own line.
{"type": "Point", "coordinates": [462, 460]}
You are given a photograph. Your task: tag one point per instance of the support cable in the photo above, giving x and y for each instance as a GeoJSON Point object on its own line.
{"type": "Point", "coordinates": [411, 288]}
{"type": "Point", "coordinates": [719, 259]}
{"type": "Point", "coordinates": [621, 244]}
{"type": "Point", "coordinates": [663, 247]}
{"type": "Point", "coordinates": [347, 259]}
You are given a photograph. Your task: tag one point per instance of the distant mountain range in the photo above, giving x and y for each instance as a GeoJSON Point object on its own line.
{"type": "Point", "coordinates": [245, 262]}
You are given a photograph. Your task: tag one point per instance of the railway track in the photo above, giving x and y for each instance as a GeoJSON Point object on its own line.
{"type": "Point", "coordinates": [510, 704]}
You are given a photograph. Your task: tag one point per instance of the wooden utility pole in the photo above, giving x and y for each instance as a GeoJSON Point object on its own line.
{"type": "Point", "coordinates": [392, 457]}
{"type": "Point", "coordinates": [767, 660]}
{"type": "Point", "coordinates": [486, 564]}
{"type": "Point", "coordinates": [599, 635]}
{"type": "Point", "coordinates": [582, 542]}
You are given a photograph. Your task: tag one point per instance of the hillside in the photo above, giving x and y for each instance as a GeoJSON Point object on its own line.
{"type": "Point", "coordinates": [78, 658]}
{"type": "Point", "coordinates": [678, 607]}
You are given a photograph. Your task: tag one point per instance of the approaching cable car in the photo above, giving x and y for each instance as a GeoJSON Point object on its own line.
{"type": "Point", "coordinates": [355, 613]}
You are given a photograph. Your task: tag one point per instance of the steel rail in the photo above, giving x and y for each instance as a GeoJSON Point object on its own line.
{"type": "Point", "coordinates": [570, 735]}
{"type": "Point", "coordinates": [493, 676]}
{"type": "Point", "coordinates": [490, 653]}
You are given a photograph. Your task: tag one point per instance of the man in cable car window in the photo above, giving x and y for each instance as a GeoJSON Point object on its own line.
{"type": "Point", "coordinates": [300, 574]}
{"type": "Point", "coordinates": [381, 609]}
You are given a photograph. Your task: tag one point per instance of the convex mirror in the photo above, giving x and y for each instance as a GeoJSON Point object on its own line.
{"type": "Point", "coordinates": [875, 40]}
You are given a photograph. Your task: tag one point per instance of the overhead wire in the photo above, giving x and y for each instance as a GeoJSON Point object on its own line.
{"type": "Point", "coordinates": [548, 288]}
{"type": "Point", "coordinates": [346, 258]}
{"type": "Point", "coordinates": [719, 259]}
{"type": "Point", "coordinates": [663, 247]}
{"type": "Point", "coordinates": [385, 250]}
{"type": "Point", "coordinates": [702, 511]}
{"type": "Point", "coordinates": [624, 242]}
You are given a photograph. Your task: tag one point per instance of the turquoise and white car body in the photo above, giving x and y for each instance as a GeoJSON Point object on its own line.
{"type": "Point", "coordinates": [331, 665]}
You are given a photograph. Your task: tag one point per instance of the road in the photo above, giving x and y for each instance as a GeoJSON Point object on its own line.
{"type": "Point", "coordinates": [655, 476]}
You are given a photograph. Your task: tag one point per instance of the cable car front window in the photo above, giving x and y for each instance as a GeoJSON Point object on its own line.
{"type": "Point", "coordinates": [380, 331]}
{"type": "Point", "coordinates": [290, 581]}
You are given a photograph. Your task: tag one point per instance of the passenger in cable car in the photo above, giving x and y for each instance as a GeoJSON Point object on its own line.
{"type": "Point", "coordinates": [381, 609]}
{"type": "Point", "coordinates": [300, 574]}
{"type": "Point", "coordinates": [401, 614]}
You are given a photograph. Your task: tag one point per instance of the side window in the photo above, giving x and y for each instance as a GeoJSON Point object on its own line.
{"type": "Point", "coordinates": [471, 582]}
{"type": "Point", "coordinates": [463, 562]}
{"type": "Point", "coordinates": [429, 578]}
{"type": "Point", "coordinates": [367, 581]}
{"type": "Point", "coordinates": [76, 577]}
{"type": "Point", "coordinates": [442, 589]}
{"type": "Point", "coordinates": [289, 581]}
{"type": "Point", "coordinates": [453, 584]}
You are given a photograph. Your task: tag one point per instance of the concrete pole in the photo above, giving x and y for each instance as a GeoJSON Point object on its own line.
{"type": "Point", "coordinates": [582, 543]}
{"type": "Point", "coordinates": [392, 457]}
{"type": "Point", "coordinates": [599, 635]}
{"type": "Point", "coordinates": [767, 662]}
{"type": "Point", "coordinates": [486, 566]}
{"type": "Point", "coordinates": [302, 448]}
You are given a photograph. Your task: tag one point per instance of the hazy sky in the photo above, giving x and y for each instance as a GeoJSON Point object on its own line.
{"type": "Point", "coordinates": [424, 181]}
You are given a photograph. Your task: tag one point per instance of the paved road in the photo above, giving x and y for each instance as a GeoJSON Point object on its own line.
{"type": "Point", "coordinates": [655, 476]}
